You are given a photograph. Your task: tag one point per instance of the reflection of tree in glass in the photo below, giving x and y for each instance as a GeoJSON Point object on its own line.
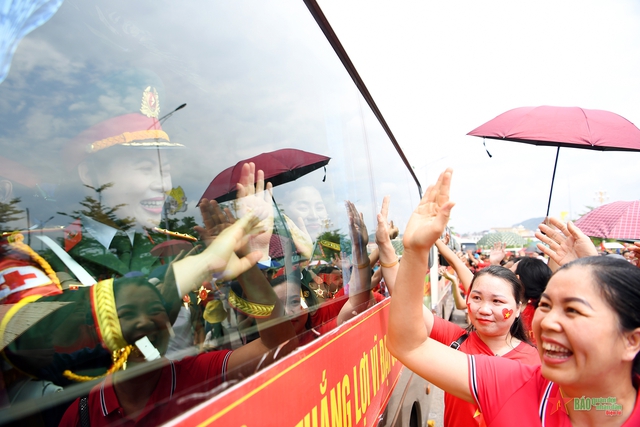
{"type": "Point", "coordinates": [97, 211]}
{"type": "Point", "coordinates": [9, 212]}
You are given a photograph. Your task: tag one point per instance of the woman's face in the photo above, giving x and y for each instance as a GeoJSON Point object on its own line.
{"type": "Point", "coordinates": [492, 307]}
{"type": "Point", "coordinates": [142, 314]}
{"type": "Point", "coordinates": [578, 334]}
{"type": "Point", "coordinates": [306, 203]}
{"type": "Point", "coordinates": [138, 184]}
{"type": "Point", "coordinates": [289, 295]}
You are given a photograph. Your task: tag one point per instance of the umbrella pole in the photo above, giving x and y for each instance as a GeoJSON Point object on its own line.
{"type": "Point", "coordinates": [553, 178]}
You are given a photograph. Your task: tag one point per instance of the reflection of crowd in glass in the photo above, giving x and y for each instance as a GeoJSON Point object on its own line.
{"type": "Point", "coordinates": [229, 292]}
{"type": "Point", "coordinates": [161, 314]}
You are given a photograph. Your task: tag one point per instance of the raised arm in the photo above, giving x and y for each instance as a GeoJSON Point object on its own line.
{"type": "Point", "coordinates": [360, 295]}
{"type": "Point", "coordinates": [464, 274]}
{"type": "Point", "coordinates": [635, 250]}
{"type": "Point", "coordinates": [460, 303]}
{"type": "Point", "coordinates": [498, 253]}
{"type": "Point", "coordinates": [407, 339]}
{"type": "Point", "coordinates": [386, 252]}
{"type": "Point", "coordinates": [258, 299]}
{"type": "Point", "coordinates": [389, 260]}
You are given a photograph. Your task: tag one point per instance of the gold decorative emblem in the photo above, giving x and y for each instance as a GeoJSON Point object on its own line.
{"type": "Point", "coordinates": [150, 106]}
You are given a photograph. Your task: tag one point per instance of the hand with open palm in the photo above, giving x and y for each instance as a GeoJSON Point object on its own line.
{"type": "Point", "coordinates": [565, 242]}
{"type": "Point", "coordinates": [429, 219]}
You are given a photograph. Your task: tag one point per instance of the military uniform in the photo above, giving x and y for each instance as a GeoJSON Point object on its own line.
{"type": "Point", "coordinates": [94, 241]}
{"type": "Point", "coordinates": [120, 259]}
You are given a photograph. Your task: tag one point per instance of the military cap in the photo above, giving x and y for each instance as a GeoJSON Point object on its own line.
{"type": "Point", "coordinates": [129, 107]}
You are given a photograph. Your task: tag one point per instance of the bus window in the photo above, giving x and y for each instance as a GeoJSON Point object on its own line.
{"type": "Point", "coordinates": [173, 180]}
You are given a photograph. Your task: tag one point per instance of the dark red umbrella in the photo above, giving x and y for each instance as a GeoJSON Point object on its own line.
{"type": "Point", "coordinates": [617, 220]}
{"type": "Point", "coordinates": [170, 248]}
{"type": "Point", "coordinates": [563, 127]}
{"type": "Point", "coordinates": [280, 167]}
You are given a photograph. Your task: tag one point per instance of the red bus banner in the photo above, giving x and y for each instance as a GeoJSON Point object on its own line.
{"type": "Point", "coordinates": [342, 379]}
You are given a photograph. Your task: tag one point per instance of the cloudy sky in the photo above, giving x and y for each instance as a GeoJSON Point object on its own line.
{"type": "Point", "coordinates": [437, 70]}
{"type": "Point", "coordinates": [261, 76]}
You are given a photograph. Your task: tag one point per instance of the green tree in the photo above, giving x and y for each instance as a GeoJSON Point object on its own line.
{"type": "Point", "coordinates": [94, 209]}
{"type": "Point", "coordinates": [184, 225]}
{"type": "Point", "coordinates": [9, 212]}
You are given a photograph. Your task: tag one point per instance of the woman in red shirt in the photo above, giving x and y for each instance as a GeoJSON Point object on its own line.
{"type": "Point", "coordinates": [494, 299]}
{"type": "Point", "coordinates": [586, 325]}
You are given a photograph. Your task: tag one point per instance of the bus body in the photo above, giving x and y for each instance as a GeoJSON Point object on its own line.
{"type": "Point", "coordinates": [117, 117]}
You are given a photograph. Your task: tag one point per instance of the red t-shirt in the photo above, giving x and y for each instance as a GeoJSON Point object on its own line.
{"type": "Point", "coordinates": [527, 319]}
{"type": "Point", "coordinates": [511, 394]}
{"type": "Point", "coordinates": [482, 264]}
{"type": "Point", "coordinates": [191, 375]}
{"type": "Point", "coordinates": [326, 317]}
{"type": "Point", "coordinates": [457, 412]}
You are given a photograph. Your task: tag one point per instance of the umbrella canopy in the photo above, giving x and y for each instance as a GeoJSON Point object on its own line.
{"type": "Point", "coordinates": [280, 167]}
{"type": "Point", "coordinates": [617, 220]}
{"type": "Point", "coordinates": [563, 127]}
{"type": "Point", "coordinates": [512, 240]}
{"type": "Point", "coordinates": [170, 248]}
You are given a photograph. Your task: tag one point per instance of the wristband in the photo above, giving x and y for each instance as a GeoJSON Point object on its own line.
{"type": "Point", "coordinates": [363, 265]}
{"type": "Point", "coordinates": [391, 264]}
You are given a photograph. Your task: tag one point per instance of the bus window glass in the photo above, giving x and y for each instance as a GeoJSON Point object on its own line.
{"type": "Point", "coordinates": [117, 118]}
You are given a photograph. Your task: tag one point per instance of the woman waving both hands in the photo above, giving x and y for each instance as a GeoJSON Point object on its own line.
{"type": "Point", "coordinates": [586, 327]}
{"type": "Point", "coordinates": [494, 299]}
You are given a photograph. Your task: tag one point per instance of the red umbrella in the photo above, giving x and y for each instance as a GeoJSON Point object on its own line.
{"type": "Point", "coordinates": [617, 220]}
{"type": "Point", "coordinates": [563, 127]}
{"type": "Point", "coordinates": [280, 167]}
{"type": "Point", "coordinates": [170, 248]}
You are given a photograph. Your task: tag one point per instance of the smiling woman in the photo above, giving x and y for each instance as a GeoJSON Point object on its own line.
{"type": "Point", "coordinates": [127, 110]}
{"type": "Point", "coordinates": [136, 186]}
{"type": "Point", "coordinates": [586, 326]}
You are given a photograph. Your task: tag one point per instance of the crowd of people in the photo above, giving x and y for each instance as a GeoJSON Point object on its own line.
{"type": "Point", "coordinates": [156, 313]}
{"type": "Point", "coordinates": [585, 327]}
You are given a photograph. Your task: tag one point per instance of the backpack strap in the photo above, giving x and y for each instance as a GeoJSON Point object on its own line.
{"type": "Point", "coordinates": [83, 410]}
{"type": "Point", "coordinates": [457, 343]}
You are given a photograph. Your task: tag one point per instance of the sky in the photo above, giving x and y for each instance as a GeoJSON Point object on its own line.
{"type": "Point", "coordinates": [264, 77]}
{"type": "Point", "coordinates": [256, 77]}
{"type": "Point", "coordinates": [437, 70]}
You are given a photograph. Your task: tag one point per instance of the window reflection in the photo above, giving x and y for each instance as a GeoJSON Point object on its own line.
{"type": "Point", "coordinates": [102, 181]}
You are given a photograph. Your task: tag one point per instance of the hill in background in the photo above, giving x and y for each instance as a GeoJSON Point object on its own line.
{"type": "Point", "coordinates": [530, 224]}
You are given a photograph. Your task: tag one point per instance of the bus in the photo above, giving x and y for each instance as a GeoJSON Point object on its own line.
{"type": "Point", "coordinates": [137, 142]}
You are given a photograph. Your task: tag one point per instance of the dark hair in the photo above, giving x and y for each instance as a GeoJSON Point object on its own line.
{"type": "Point", "coordinates": [120, 283]}
{"type": "Point", "coordinates": [619, 282]}
{"type": "Point", "coordinates": [534, 275]}
{"type": "Point", "coordinates": [307, 293]}
{"type": "Point", "coordinates": [517, 327]}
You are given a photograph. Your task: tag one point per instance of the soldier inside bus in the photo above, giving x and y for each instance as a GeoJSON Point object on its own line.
{"type": "Point", "coordinates": [109, 236]}
{"type": "Point", "coordinates": [153, 397]}
{"type": "Point", "coordinates": [122, 165]}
